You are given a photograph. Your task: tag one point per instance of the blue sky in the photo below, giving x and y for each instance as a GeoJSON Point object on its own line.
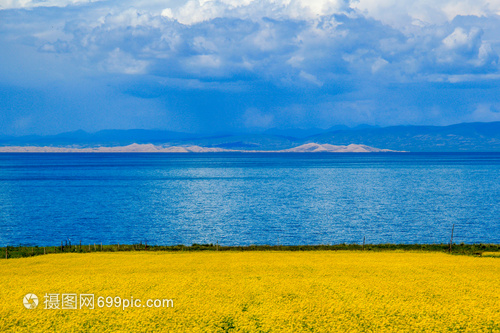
{"type": "Point", "coordinates": [249, 65]}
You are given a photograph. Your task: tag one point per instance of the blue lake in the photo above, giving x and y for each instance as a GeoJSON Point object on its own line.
{"type": "Point", "coordinates": [243, 199]}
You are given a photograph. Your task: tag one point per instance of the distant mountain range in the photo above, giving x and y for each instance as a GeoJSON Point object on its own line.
{"type": "Point", "coordinates": [150, 148]}
{"type": "Point", "coordinates": [465, 137]}
{"type": "Point", "coordinates": [105, 137]}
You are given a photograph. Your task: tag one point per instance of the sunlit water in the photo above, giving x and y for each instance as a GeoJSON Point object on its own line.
{"type": "Point", "coordinates": [242, 199]}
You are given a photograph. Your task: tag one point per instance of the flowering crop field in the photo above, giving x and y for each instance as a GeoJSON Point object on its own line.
{"type": "Point", "coordinates": [317, 291]}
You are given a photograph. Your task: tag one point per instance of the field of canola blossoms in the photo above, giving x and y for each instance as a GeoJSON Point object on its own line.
{"type": "Point", "coordinates": [258, 292]}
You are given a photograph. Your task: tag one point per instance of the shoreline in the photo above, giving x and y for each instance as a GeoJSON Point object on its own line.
{"type": "Point", "coordinates": [11, 252]}
{"type": "Point", "coordinates": [151, 148]}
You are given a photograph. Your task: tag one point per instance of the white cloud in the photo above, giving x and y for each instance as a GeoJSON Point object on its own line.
{"type": "Point", "coordinates": [469, 7]}
{"type": "Point", "coordinates": [195, 11]}
{"type": "Point", "coordinates": [464, 50]}
{"type": "Point", "coordinates": [461, 39]}
{"type": "Point", "coordinates": [199, 63]}
{"type": "Point", "coordinates": [121, 62]}
{"type": "Point", "coordinates": [397, 13]}
{"type": "Point", "coordinates": [310, 78]}
{"type": "Point", "coordinates": [254, 118]}
{"type": "Point", "coordinates": [12, 4]}
{"type": "Point", "coordinates": [281, 41]}
{"type": "Point", "coordinates": [130, 17]}
{"type": "Point", "coordinates": [485, 113]}
{"type": "Point", "coordinates": [404, 13]}
{"type": "Point", "coordinates": [167, 12]}
{"type": "Point", "coordinates": [378, 64]}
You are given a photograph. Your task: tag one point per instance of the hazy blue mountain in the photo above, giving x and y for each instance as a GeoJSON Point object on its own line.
{"type": "Point", "coordinates": [248, 141]}
{"type": "Point", "coordinates": [459, 137]}
{"type": "Point", "coordinates": [104, 137]}
{"type": "Point", "coordinates": [362, 126]}
{"type": "Point", "coordinates": [302, 133]}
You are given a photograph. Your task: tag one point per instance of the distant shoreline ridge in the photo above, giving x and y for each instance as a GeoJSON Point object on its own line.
{"type": "Point", "coordinates": [150, 148]}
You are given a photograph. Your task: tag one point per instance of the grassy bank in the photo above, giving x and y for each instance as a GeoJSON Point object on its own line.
{"type": "Point", "coordinates": [266, 291]}
{"type": "Point", "coordinates": [30, 251]}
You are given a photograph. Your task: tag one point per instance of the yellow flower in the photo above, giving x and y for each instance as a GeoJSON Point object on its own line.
{"type": "Point", "coordinates": [256, 292]}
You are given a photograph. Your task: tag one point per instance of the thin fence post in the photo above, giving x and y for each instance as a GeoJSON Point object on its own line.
{"type": "Point", "coordinates": [364, 238]}
{"type": "Point", "coordinates": [101, 246]}
{"type": "Point", "coordinates": [451, 239]}
{"type": "Point", "coordinates": [44, 250]}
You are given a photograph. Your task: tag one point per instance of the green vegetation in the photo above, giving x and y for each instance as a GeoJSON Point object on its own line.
{"type": "Point", "coordinates": [461, 249]}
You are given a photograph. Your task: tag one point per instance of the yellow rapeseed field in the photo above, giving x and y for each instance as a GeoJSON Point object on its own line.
{"type": "Point", "coordinates": [256, 292]}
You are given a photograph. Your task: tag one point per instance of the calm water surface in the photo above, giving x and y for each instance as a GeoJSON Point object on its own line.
{"type": "Point", "coordinates": [242, 199]}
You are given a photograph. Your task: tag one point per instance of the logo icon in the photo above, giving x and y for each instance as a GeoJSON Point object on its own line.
{"type": "Point", "coordinates": [30, 301]}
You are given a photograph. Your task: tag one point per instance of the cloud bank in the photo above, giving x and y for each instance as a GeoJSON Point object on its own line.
{"type": "Point", "coordinates": [228, 65]}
